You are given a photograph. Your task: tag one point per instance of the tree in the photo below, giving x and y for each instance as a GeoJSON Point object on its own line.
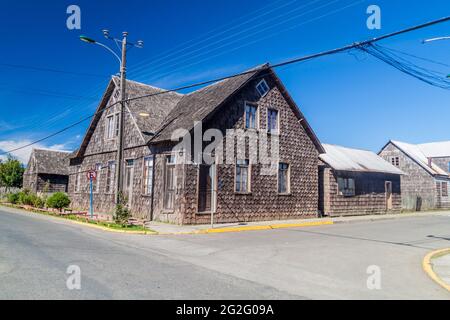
{"type": "Point", "coordinates": [11, 173]}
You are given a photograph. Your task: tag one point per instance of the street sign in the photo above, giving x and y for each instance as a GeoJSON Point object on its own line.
{"type": "Point", "coordinates": [92, 175]}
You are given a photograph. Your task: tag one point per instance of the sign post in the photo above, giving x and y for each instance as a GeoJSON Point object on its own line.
{"type": "Point", "coordinates": [92, 175]}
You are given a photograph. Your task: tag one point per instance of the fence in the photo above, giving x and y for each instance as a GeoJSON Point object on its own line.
{"type": "Point", "coordinates": [4, 191]}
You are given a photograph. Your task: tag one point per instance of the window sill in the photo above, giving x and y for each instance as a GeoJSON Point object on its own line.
{"type": "Point", "coordinates": [205, 213]}
{"type": "Point", "coordinates": [243, 193]}
{"type": "Point", "coordinates": [285, 194]}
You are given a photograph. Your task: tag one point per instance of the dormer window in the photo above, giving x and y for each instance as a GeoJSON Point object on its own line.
{"type": "Point", "coordinates": [262, 88]}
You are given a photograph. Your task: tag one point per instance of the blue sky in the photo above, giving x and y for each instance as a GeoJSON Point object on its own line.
{"type": "Point", "coordinates": [352, 100]}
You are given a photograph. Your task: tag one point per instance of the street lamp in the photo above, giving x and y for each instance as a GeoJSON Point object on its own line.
{"type": "Point", "coordinates": [123, 70]}
{"type": "Point", "coordinates": [437, 39]}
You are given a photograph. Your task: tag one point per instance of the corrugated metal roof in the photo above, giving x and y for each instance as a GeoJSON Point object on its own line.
{"type": "Point", "coordinates": [436, 149]}
{"type": "Point", "coordinates": [347, 159]}
{"type": "Point", "coordinates": [420, 154]}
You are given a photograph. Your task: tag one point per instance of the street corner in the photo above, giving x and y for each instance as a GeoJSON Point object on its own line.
{"type": "Point", "coordinates": [436, 265]}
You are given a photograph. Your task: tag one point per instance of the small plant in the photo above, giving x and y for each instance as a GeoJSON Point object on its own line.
{"type": "Point", "coordinates": [25, 197]}
{"type": "Point", "coordinates": [12, 198]}
{"type": "Point", "coordinates": [38, 202]}
{"type": "Point", "coordinates": [58, 200]}
{"type": "Point", "coordinates": [122, 213]}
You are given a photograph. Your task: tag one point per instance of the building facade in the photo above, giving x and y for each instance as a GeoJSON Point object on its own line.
{"type": "Point", "coordinates": [169, 183]}
{"type": "Point", "coordinates": [357, 182]}
{"type": "Point", "coordinates": [425, 185]}
{"type": "Point", "coordinates": [47, 171]}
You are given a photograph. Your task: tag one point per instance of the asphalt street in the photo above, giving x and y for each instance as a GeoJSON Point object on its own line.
{"type": "Point", "coordinates": [327, 262]}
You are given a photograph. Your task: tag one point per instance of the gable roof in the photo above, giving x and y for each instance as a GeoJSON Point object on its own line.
{"type": "Point", "coordinates": [201, 104]}
{"type": "Point", "coordinates": [197, 105]}
{"type": "Point", "coordinates": [168, 111]}
{"type": "Point", "coordinates": [347, 159]}
{"type": "Point", "coordinates": [156, 105]}
{"type": "Point", "coordinates": [420, 154]}
{"type": "Point", "coordinates": [51, 161]}
{"type": "Point", "coordinates": [436, 149]}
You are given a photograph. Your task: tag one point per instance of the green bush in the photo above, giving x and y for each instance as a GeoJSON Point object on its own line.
{"type": "Point", "coordinates": [38, 202]}
{"type": "Point", "coordinates": [26, 197]}
{"type": "Point", "coordinates": [58, 200]}
{"type": "Point", "coordinates": [122, 213]}
{"type": "Point", "coordinates": [12, 198]}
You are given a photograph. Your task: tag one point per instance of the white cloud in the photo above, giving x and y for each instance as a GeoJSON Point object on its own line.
{"type": "Point", "coordinates": [23, 155]}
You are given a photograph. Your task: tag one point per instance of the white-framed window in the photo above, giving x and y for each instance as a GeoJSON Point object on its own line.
{"type": "Point", "coordinates": [110, 176]}
{"type": "Point", "coordinates": [242, 176]}
{"type": "Point", "coordinates": [346, 187]}
{"type": "Point", "coordinates": [262, 88]}
{"type": "Point", "coordinates": [78, 180]}
{"type": "Point", "coordinates": [148, 175]}
{"type": "Point", "coordinates": [96, 182]}
{"type": "Point", "coordinates": [272, 121]}
{"type": "Point", "coordinates": [170, 182]}
{"type": "Point", "coordinates": [251, 116]}
{"type": "Point", "coordinates": [112, 126]}
{"type": "Point", "coordinates": [395, 161]}
{"type": "Point", "coordinates": [284, 183]}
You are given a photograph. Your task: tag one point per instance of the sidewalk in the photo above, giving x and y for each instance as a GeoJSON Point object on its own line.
{"type": "Point", "coordinates": [441, 266]}
{"type": "Point", "coordinates": [165, 229]}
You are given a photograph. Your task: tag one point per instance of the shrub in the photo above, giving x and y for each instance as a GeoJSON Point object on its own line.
{"type": "Point", "coordinates": [12, 198]}
{"type": "Point", "coordinates": [38, 202]}
{"type": "Point", "coordinates": [58, 200]}
{"type": "Point", "coordinates": [122, 213]}
{"type": "Point", "coordinates": [26, 197]}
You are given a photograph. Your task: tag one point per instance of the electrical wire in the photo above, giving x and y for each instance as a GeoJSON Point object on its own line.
{"type": "Point", "coordinates": [360, 45]}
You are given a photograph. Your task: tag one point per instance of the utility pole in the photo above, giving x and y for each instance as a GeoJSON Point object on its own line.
{"type": "Point", "coordinates": [123, 88]}
{"type": "Point", "coordinates": [123, 73]}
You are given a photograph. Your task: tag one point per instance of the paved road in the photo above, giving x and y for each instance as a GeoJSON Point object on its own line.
{"type": "Point", "coordinates": [328, 262]}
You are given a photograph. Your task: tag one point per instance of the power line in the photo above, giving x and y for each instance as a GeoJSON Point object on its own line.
{"type": "Point", "coordinates": [247, 33]}
{"type": "Point", "coordinates": [34, 68]}
{"type": "Point", "coordinates": [272, 34]}
{"type": "Point", "coordinates": [355, 45]}
{"type": "Point", "coordinates": [247, 30]}
{"type": "Point", "coordinates": [253, 16]}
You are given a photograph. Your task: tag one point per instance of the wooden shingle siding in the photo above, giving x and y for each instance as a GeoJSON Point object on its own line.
{"type": "Point", "coordinates": [221, 106]}
{"type": "Point", "coordinates": [418, 186]}
{"type": "Point", "coordinates": [47, 171]}
{"type": "Point", "coordinates": [369, 198]}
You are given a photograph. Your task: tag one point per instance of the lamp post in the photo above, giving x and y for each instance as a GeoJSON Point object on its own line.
{"type": "Point", "coordinates": [437, 39]}
{"type": "Point", "coordinates": [123, 70]}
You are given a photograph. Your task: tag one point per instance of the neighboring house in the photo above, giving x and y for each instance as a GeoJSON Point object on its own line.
{"type": "Point", "coordinates": [47, 171]}
{"type": "Point", "coordinates": [160, 187]}
{"type": "Point", "coordinates": [357, 182]}
{"type": "Point", "coordinates": [427, 166]}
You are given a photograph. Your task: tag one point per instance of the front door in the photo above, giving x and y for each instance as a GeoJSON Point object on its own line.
{"type": "Point", "coordinates": [206, 188]}
{"type": "Point", "coordinates": [129, 175]}
{"type": "Point", "coordinates": [388, 187]}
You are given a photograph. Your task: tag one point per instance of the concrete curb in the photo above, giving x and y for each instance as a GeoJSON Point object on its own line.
{"type": "Point", "coordinates": [428, 267]}
{"type": "Point", "coordinates": [266, 227]}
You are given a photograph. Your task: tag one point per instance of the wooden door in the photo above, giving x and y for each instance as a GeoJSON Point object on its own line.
{"type": "Point", "coordinates": [388, 187]}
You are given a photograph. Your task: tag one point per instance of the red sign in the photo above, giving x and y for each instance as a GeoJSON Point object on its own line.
{"type": "Point", "coordinates": [92, 175]}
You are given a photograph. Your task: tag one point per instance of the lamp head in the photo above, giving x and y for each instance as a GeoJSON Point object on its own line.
{"type": "Point", "coordinates": [87, 39]}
